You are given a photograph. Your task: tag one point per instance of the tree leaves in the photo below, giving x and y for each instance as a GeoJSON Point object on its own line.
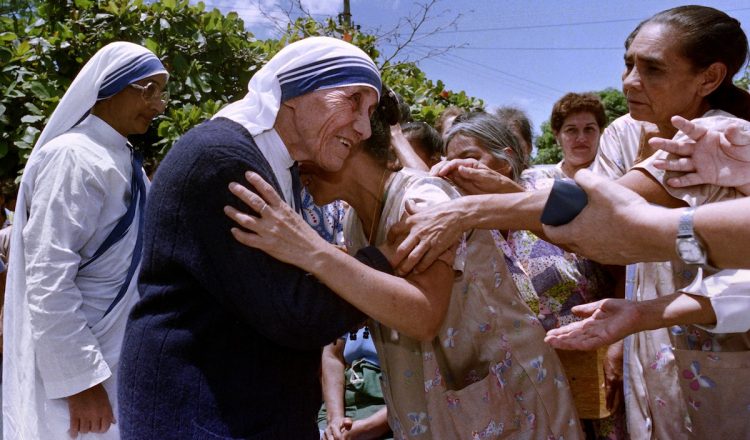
{"type": "Point", "coordinates": [210, 56]}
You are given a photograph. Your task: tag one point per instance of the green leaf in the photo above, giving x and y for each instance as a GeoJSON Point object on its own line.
{"type": "Point", "coordinates": [27, 139]}
{"type": "Point", "coordinates": [30, 119]}
{"type": "Point", "coordinates": [152, 45]}
{"type": "Point", "coordinates": [33, 109]}
{"type": "Point", "coordinates": [8, 36]}
{"type": "Point", "coordinates": [40, 90]}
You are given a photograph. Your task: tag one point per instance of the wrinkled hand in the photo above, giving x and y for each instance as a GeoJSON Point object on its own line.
{"type": "Point", "coordinates": [338, 429]}
{"type": "Point", "coordinates": [606, 229]}
{"type": "Point", "coordinates": [278, 230]}
{"type": "Point", "coordinates": [606, 322]}
{"type": "Point", "coordinates": [474, 177]}
{"type": "Point", "coordinates": [90, 411]}
{"type": "Point", "coordinates": [613, 372]}
{"type": "Point", "coordinates": [717, 155]}
{"type": "Point", "coordinates": [429, 233]}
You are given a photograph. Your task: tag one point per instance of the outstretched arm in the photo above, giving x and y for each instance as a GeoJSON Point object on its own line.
{"type": "Point", "coordinates": [430, 232]}
{"type": "Point", "coordinates": [609, 320]}
{"type": "Point", "coordinates": [617, 226]}
{"type": "Point", "coordinates": [620, 227]}
{"type": "Point", "coordinates": [391, 300]}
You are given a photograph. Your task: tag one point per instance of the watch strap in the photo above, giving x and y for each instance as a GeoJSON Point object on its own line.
{"type": "Point", "coordinates": [685, 225]}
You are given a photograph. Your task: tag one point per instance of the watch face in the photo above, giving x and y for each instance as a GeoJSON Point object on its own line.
{"type": "Point", "coordinates": [690, 251]}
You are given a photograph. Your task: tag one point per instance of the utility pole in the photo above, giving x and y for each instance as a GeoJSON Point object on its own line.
{"type": "Point", "coordinates": [345, 18]}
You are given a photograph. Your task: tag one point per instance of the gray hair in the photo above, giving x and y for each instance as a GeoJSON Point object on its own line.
{"type": "Point", "coordinates": [494, 135]}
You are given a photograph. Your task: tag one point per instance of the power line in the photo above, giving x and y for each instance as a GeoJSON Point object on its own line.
{"type": "Point", "coordinates": [519, 48]}
{"type": "Point", "coordinates": [502, 72]}
{"type": "Point", "coordinates": [554, 25]}
{"type": "Point", "coordinates": [512, 81]}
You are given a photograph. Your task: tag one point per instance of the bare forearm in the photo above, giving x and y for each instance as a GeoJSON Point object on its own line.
{"type": "Point", "coordinates": [372, 427]}
{"type": "Point", "coordinates": [676, 309]}
{"type": "Point", "coordinates": [723, 228]}
{"type": "Point", "coordinates": [406, 154]}
{"type": "Point", "coordinates": [332, 381]}
{"type": "Point", "coordinates": [388, 299]}
{"type": "Point", "coordinates": [652, 233]}
{"type": "Point", "coordinates": [518, 211]}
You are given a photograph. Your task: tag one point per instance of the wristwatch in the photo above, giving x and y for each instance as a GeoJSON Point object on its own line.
{"type": "Point", "coordinates": [688, 246]}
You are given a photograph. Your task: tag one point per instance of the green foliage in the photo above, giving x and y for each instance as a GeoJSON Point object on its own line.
{"type": "Point", "coordinates": [744, 80]}
{"type": "Point", "coordinates": [548, 152]}
{"type": "Point", "coordinates": [426, 98]}
{"type": "Point", "coordinates": [210, 57]}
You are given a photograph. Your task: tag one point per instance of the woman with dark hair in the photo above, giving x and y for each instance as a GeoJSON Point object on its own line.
{"type": "Point", "coordinates": [425, 140]}
{"type": "Point", "coordinates": [577, 120]}
{"type": "Point", "coordinates": [462, 357]}
{"type": "Point", "coordinates": [679, 62]}
{"type": "Point", "coordinates": [520, 124]}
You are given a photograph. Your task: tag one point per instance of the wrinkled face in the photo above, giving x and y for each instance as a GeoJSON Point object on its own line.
{"type": "Point", "coordinates": [330, 122]}
{"type": "Point", "coordinates": [466, 147]}
{"type": "Point", "coordinates": [658, 81]}
{"type": "Point", "coordinates": [137, 111]}
{"type": "Point", "coordinates": [579, 139]}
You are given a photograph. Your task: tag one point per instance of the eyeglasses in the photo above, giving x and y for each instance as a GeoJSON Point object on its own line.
{"type": "Point", "coordinates": [151, 92]}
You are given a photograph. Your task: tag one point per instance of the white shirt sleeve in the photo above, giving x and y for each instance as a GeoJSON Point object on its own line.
{"type": "Point", "coordinates": [65, 205]}
{"type": "Point", "coordinates": [729, 292]}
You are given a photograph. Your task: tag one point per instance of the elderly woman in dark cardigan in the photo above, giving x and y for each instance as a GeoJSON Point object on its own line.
{"type": "Point", "coordinates": [226, 340]}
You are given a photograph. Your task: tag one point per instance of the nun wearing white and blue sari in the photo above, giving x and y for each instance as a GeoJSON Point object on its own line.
{"type": "Point", "coordinates": [75, 251]}
{"type": "Point", "coordinates": [226, 340]}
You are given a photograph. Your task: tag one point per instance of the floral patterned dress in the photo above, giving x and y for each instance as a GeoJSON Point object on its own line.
{"type": "Point", "coordinates": [687, 382]}
{"type": "Point", "coordinates": [558, 280]}
{"type": "Point", "coordinates": [488, 374]}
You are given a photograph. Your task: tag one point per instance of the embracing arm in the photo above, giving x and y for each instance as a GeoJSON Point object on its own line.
{"type": "Point", "coordinates": [279, 301]}
{"type": "Point", "coordinates": [388, 299]}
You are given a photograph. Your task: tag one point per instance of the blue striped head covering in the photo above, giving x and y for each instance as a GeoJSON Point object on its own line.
{"type": "Point", "coordinates": [311, 64]}
{"type": "Point", "coordinates": [142, 66]}
{"type": "Point", "coordinates": [107, 73]}
{"type": "Point", "coordinates": [328, 73]}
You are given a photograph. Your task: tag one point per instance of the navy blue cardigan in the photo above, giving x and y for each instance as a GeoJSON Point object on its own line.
{"type": "Point", "coordinates": [225, 341]}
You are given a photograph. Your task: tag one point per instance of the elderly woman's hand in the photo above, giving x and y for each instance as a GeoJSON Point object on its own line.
{"type": "Point", "coordinates": [474, 177]}
{"type": "Point", "coordinates": [718, 155]}
{"type": "Point", "coordinates": [277, 230]}
{"type": "Point", "coordinates": [428, 233]}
